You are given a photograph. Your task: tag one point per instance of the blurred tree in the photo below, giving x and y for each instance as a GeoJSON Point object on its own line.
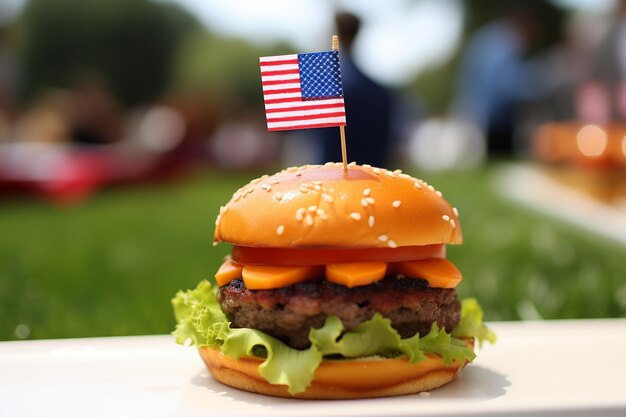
{"type": "Point", "coordinates": [225, 68]}
{"type": "Point", "coordinates": [129, 44]}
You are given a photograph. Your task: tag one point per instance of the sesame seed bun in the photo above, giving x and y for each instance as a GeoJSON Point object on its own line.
{"type": "Point", "coordinates": [340, 379]}
{"type": "Point", "coordinates": [325, 206]}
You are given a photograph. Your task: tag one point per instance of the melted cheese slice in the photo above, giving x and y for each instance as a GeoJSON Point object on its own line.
{"type": "Point", "coordinates": [440, 273]}
{"type": "Point", "coordinates": [228, 272]}
{"type": "Point", "coordinates": [355, 274]}
{"type": "Point", "coordinates": [258, 277]}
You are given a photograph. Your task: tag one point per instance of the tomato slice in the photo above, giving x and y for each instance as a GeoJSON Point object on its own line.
{"type": "Point", "coordinates": [297, 257]}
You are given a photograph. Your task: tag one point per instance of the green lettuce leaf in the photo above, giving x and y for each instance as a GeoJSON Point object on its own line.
{"type": "Point", "coordinates": [439, 342]}
{"type": "Point", "coordinates": [201, 322]}
{"type": "Point", "coordinates": [283, 365]}
{"type": "Point", "coordinates": [471, 324]}
{"type": "Point", "coordinates": [373, 337]}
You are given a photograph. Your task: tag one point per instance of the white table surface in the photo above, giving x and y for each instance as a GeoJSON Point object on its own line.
{"type": "Point", "coordinates": [557, 367]}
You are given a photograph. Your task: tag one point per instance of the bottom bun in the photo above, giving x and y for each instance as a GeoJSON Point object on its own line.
{"type": "Point", "coordinates": [340, 379]}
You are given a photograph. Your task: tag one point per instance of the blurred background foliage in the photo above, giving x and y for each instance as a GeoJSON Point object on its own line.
{"type": "Point", "coordinates": [65, 40]}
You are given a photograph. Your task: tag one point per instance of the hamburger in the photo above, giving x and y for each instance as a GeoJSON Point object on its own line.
{"type": "Point", "coordinates": [337, 286]}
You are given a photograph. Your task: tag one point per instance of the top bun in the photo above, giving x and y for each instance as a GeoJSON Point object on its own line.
{"type": "Point", "coordinates": [316, 206]}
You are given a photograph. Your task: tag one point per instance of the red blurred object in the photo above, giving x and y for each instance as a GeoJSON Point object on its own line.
{"type": "Point", "coordinates": [65, 174]}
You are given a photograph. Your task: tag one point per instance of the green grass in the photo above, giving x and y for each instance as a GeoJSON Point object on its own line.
{"type": "Point", "coordinates": [109, 266]}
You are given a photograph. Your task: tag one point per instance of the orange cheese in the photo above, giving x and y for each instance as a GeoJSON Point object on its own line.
{"type": "Point", "coordinates": [228, 272]}
{"type": "Point", "coordinates": [355, 274]}
{"type": "Point", "coordinates": [440, 273]}
{"type": "Point", "coordinates": [257, 277]}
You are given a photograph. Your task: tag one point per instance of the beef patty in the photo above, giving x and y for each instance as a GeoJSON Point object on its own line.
{"type": "Point", "coordinates": [288, 313]}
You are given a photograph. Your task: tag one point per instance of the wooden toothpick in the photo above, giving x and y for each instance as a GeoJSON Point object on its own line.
{"type": "Point", "coordinates": [342, 130]}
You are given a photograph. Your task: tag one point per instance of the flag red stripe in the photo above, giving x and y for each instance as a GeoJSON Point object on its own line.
{"type": "Point", "coordinates": [312, 107]}
{"type": "Point", "coordinates": [283, 100]}
{"type": "Point", "coordinates": [275, 82]}
{"type": "Point", "coordinates": [283, 62]}
{"type": "Point", "coordinates": [281, 72]}
{"type": "Point", "coordinates": [306, 126]}
{"type": "Point", "coordinates": [310, 117]}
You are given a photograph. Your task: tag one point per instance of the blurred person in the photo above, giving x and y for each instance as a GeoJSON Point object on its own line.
{"type": "Point", "coordinates": [368, 107]}
{"type": "Point", "coordinates": [563, 80]}
{"type": "Point", "coordinates": [609, 64]}
{"type": "Point", "coordinates": [47, 120]}
{"type": "Point", "coordinates": [494, 78]}
{"type": "Point", "coordinates": [96, 116]}
{"type": "Point", "coordinates": [8, 83]}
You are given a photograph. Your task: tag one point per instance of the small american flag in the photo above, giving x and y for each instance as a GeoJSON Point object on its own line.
{"type": "Point", "coordinates": [302, 91]}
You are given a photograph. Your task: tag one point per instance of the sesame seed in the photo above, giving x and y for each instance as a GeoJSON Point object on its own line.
{"type": "Point", "coordinates": [274, 181]}
{"type": "Point", "coordinates": [452, 222]}
{"type": "Point", "coordinates": [364, 202]}
{"type": "Point", "coordinates": [445, 217]}
{"type": "Point", "coordinates": [370, 200]}
{"type": "Point", "coordinates": [278, 196]}
{"type": "Point", "coordinates": [397, 171]}
{"type": "Point", "coordinates": [308, 220]}
{"type": "Point", "coordinates": [455, 211]}
{"type": "Point", "coordinates": [223, 209]}
{"type": "Point", "coordinates": [396, 203]}
{"type": "Point", "coordinates": [237, 196]}
{"type": "Point", "coordinates": [266, 187]}
{"type": "Point", "coordinates": [376, 170]}
{"type": "Point", "coordinates": [367, 166]}
{"type": "Point", "coordinates": [417, 185]}
{"type": "Point", "coordinates": [438, 193]}
{"type": "Point", "coordinates": [300, 213]}
{"type": "Point", "coordinates": [352, 164]}
{"type": "Point", "coordinates": [371, 221]}
{"type": "Point", "coordinates": [389, 174]}
{"type": "Point", "coordinates": [317, 187]}
{"type": "Point", "coordinates": [217, 219]}
{"type": "Point", "coordinates": [280, 230]}
{"type": "Point", "coordinates": [320, 212]}
{"type": "Point", "coordinates": [312, 208]}
{"type": "Point", "coordinates": [256, 180]}
{"type": "Point", "coordinates": [249, 190]}
{"type": "Point", "coordinates": [329, 164]}
{"type": "Point", "coordinates": [356, 216]}
{"type": "Point", "coordinates": [215, 243]}
{"type": "Point", "coordinates": [264, 176]}
{"type": "Point", "coordinates": [424, 394]}
{"type": "Point", "coordinates": [392, 244]}
{"type": "Point", "coordinates": [338, 164]}
{"type": "Point", "coordinates": [328, 198]}
{"type": "Point", "coordinates": [367, 192]}
{"type": "Point", "coordinates": [317, 182]}
{"type": "Point", "coordinates": [405, 176]}
{"type": "Point", "coordinates": [430, 187]}
{"type": "Point", "coordinates": [383, 238]}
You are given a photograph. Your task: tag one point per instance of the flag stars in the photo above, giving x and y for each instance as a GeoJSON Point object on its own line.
{"type": "Point", "coordinates": [320, 75]}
